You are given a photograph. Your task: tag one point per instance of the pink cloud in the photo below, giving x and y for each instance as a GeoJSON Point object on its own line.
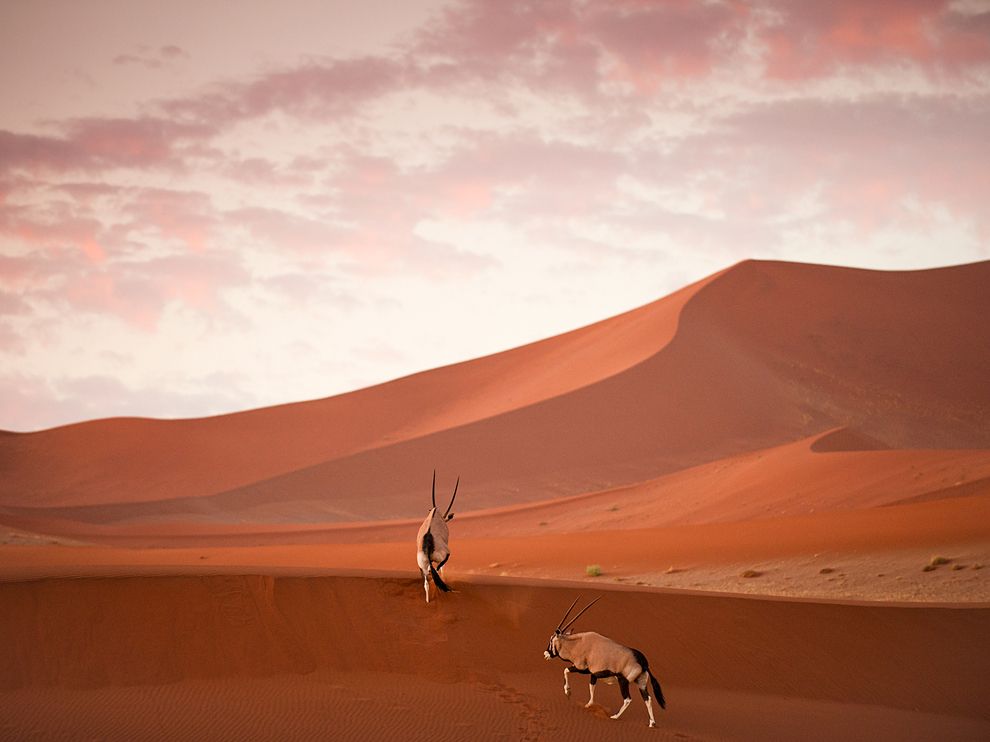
{"type": "Point", "coordinates": [183, 216]}
{"type": "Point", "coordinates": [653, 42]}
{"type": "Point", "coordinates": [813, 39]}
{"type": "Point", "coordinates": [315, 89]}
{"type": "Point", "coordinates": [56, 225]}
{"type": "Point", "coordinates": [138, 292]}
{"type": "Point", "coordinates": [151, 58]}
{"type": "Point", "coordinates": [579, 46]}
{"type": "Point", "coordinates": [95, 144]}
{"type": "Point", "coordinates": [285, 231]}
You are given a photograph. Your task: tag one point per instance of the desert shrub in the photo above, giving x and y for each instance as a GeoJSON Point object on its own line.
{"type": "Point", "coordinates": [593, 570]}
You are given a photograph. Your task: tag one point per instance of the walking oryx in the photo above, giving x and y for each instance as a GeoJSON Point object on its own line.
{"type": "Point", "coordinates": [598, 656]}
{"type": "Point", "coordinates": [431, 542]}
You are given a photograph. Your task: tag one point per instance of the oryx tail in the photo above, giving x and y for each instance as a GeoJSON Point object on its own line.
{"type": "Point", "coordinates": [446, 588]}
{"type": "Point", "coordinates": [657, 692]}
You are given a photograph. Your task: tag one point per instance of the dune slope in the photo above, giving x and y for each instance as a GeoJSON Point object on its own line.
{"type": "Point", "coordinates": [755, 357]}
{"type": "Point", "coordinates": [482, 647]}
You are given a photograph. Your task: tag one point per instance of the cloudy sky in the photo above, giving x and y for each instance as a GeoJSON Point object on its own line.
{"type": "Point", "coordinates": [210, 206]}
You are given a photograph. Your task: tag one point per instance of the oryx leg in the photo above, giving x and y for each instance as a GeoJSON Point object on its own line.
{"type": "Point", "coordinates": [592, 681]}
{"type": "Point", "coordinates": [424, 566]}
{"type": "Point", "coordinates": [567, 670]}
{"type": "Point", "coordinates": [643, 683]}
{"type": "Point", "coordinates": [626, 700]}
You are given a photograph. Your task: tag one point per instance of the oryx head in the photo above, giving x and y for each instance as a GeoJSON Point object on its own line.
{"type": "Point", "coordinates": [447, 514]}
{"type": "Point", "coordinates": [553, 646]}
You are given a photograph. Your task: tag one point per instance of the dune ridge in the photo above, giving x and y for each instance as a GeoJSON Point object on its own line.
{"type": "Point", "coordinates": [145, 459]}
{"type": "Point", "coordinates": [717, 387]}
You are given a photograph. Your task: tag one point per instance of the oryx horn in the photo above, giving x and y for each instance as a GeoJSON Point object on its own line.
{"type": "Point", "coordinates": [571, 622]}
{"type": "Point", "coordinates": [434, 495]}
{"type": "Point", "coordinates": [565, 614]}
{"type": "Point", "coordinates": [452, 497]}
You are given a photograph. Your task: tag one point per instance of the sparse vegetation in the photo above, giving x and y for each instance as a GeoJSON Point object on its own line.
{"type": "Point", "coordinates": [957, 567]}
{"type": "Point", "coordinates": [593, 570]}
{"type": "Point", "coordinates": [928, 568]}
{"type": "Point", "coordinates": [826, 571]}
{"type": "Point", "coordinates": [937, 561]}
{"type": "Point", "coordinates": [613, 509]}
{"type": "Point", "coordinates": [543, 523]}
{"type": "Point", "coordinates": [751, 573]}
{"type": "Point", "coordinates": [673, 570]}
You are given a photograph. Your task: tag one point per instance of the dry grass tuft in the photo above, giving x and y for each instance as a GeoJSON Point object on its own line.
{"type": "Point", "coordinates": [751, 573]}
{"type": "Point", "coordinates": [938, 561]}
{"type": "Point", "coordinates": [593, 570]}
{"type": "Point", "coordinates": [826, 571]}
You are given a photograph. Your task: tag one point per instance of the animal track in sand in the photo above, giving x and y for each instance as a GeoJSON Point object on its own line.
{"type": "Point", "coordinates": [532, 725]}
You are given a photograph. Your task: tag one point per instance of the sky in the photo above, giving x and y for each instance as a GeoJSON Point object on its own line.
{"type": "Point", "coordinates": [214, 206]}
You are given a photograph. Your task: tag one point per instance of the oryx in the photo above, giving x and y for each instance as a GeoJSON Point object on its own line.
{"type": "Point", "coordinates": [432, 548]}
{"type": "Point", "coordinates": [598, 656]}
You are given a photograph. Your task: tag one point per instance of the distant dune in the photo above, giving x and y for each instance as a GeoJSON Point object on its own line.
{"type": "Point", "coordinates": [783, 430]}
{"type": "Point", "coordinates": [755, 357]}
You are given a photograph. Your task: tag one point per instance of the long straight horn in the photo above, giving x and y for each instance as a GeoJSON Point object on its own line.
{"type": "Point", "coordinates": [452, 497]}
{"type": "Point", "coordinates": [579, 614]}
{"type": "Point", "coordinates": [434, 496]}
{"type": "Point", "coordinates": [565, 614]}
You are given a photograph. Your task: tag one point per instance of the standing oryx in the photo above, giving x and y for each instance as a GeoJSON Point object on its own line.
{"type": "Point", "coordinates": [431, 541]}
{"type": "Point", "coordinates": [600, 657]}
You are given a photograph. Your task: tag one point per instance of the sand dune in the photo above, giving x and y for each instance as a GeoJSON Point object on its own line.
{"type": "Point", "coordinates": [789, 480]}
{"type": "Point", "coordinates": [777, 429]}
{"type": "Point", "coordinates": [634, 401]}
{"type": "Point", "coordinates": [367, 649]}
{"type": "Point", "coordinates": [139, 459]}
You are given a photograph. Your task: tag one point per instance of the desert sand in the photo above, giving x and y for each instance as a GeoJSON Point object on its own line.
{"type": "Point", "coordinates": [777, 478]}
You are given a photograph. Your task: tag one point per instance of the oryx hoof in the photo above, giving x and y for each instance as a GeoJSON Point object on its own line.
{"type": "Point", "coordinates": [652, 724]}
{"type": "Point", "coordinates": [567, 691]}
{"type": "Point", "coordinates": [589, 704]}
{"type": "Point", "coordinates": [614, 716]}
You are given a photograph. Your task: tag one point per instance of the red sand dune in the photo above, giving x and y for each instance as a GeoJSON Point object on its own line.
{"type": "Point", "coordinates": [366, 658]}
{"type": "Point", "coordinates": [824, 430]}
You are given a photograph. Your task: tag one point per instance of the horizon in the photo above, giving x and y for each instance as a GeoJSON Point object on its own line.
{"type": "Point", "coordinates": [325, 198]}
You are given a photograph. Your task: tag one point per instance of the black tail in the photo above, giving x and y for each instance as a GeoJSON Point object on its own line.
{"type": "Point", "coordinates": [657, 693]}
{"type": "Point", "coordinates": [440, 583]}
